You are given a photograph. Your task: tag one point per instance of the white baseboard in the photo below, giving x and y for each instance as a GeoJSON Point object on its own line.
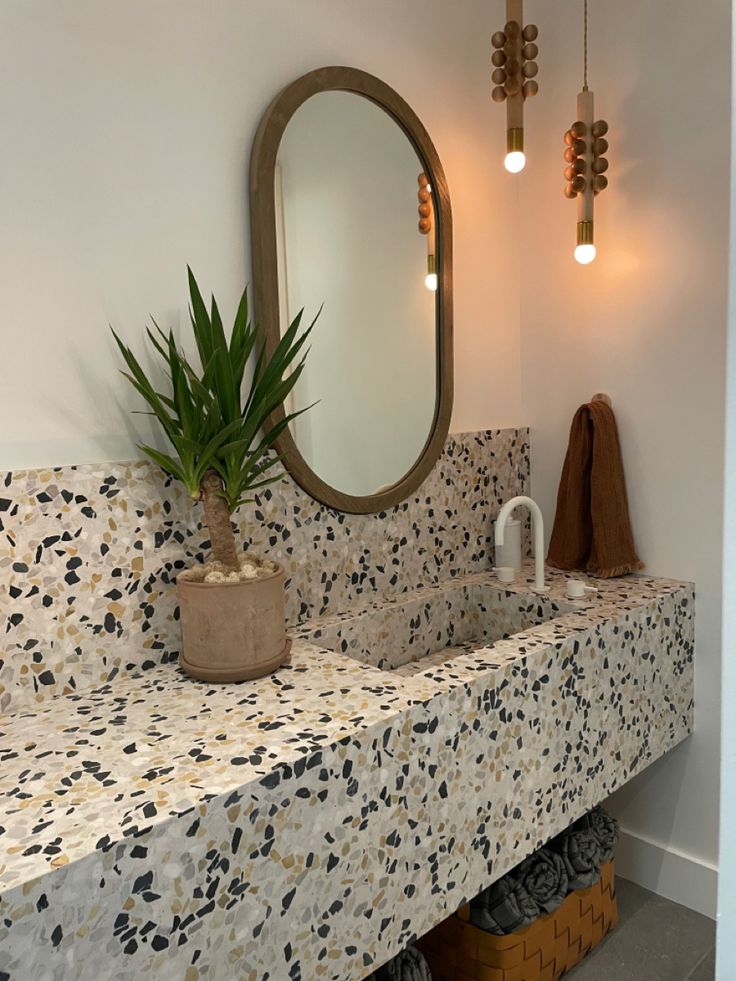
{"type": "Point", "coordinates": [682, 878]}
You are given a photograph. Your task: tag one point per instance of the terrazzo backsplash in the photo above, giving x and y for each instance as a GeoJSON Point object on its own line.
{"type": "Point", "coordinates": [89, 555]}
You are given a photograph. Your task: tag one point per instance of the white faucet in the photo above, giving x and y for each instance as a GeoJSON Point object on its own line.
{"type": "Point", "coordinates": [537, 528]}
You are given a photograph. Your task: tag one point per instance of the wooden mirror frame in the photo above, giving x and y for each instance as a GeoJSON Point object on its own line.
{"type": "Point", "coordinates": [265, 271]}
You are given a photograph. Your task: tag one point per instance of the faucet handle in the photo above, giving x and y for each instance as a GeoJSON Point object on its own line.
{"type": "Point", "coordinates": [576, 589]}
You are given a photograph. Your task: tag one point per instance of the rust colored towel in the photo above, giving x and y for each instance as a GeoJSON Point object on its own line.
{"type": "Point", "coordinates": [592, 530]}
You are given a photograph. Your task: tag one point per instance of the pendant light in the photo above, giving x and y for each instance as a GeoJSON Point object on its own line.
{"type": "Point", "coordinates": [585, 161]}
{"type": "Point", "coordinates": [514, 77]}
{"type": "Point", "coordinates": [427, 227]}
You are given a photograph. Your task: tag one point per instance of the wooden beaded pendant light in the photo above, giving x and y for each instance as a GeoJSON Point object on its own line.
{"type": "Point", "coordinates": [514, 71]}
{"type": "Point", "coordinates": [427, 227]}
{"type": "Point", "coordinates": [585, 163]}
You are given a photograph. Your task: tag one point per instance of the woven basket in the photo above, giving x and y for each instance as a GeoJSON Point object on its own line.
{"type": "Point", "coordinates": [458, 951]}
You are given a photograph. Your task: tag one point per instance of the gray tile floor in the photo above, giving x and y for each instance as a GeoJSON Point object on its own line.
{"type": "Point", "coordinates": [656, 940]}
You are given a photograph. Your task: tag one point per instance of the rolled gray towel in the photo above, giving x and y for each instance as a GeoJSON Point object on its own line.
{"type": "Point", "coordinates": [605, 830]}
{"type": "Point", "coordinates": [409, 965]}
{"type": "Point", "coordinates": [544, 876]}
{"type": "Point", "coordinates": [581, 854]}
{"type": "Point", "coordinates": [504, 907]}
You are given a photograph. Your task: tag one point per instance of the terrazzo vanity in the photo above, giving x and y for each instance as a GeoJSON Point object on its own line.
{"type": "Point", "coordinates": [430, 730]}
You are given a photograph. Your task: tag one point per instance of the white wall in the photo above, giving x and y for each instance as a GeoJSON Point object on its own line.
{"type": "Point", "coordinates": [646, 323]}
{"type": "Point", "coordinates": [726, 934]}
{"type": "Point", "coordinates": [126, 136]}
{"type": "Point", "coordinates": [352, 247]}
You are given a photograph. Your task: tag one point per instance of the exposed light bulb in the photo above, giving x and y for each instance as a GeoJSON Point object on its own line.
{"type": "Point", "coordinates": [585, 253]}
{"type": "Point", "coordinates": [431, 282]}
{"type": "Point", "coordinates": [515, 162]}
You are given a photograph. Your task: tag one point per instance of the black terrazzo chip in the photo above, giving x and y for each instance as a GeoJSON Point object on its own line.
{"type": "Point", "coordinates": [143, 882]}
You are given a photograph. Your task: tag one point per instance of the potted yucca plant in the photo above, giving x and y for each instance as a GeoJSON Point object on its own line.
{"type": "Point", "coordinates": [232, 608]}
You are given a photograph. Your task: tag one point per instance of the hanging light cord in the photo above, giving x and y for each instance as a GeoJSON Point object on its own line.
{"type": "Point", "coordinates": [585, 45]}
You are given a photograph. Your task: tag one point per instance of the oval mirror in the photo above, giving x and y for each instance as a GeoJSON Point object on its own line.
{"type": "Point", "coordinates": [350, 213]}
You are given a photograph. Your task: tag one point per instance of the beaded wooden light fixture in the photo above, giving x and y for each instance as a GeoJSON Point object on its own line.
{"type": "Point", "coordinates": [585, 161]}
{"type": "Point", "coordinates": [427, 227]}
{"type": "Point", "coordinates": [514, 77]}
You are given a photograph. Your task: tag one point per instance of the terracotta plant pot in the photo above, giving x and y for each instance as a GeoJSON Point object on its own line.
{"type": "Point", "coordinates": [233, 631]}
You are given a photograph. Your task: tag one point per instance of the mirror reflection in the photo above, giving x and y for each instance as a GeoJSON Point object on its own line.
{"type": "Point", "coordinates": [355, 235]}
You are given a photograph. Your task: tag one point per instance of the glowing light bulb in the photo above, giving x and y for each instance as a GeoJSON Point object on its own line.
{"type": "Point", "coordinates": [515, 162]}
{"type": "Point", "coordinates": [585, 254]}
{"type": "Point", "coordinates": [431, 282]}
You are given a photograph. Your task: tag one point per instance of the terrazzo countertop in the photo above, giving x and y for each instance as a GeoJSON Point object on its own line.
{"type": "Point", "coordinates": [89, 555]}
{"type": "Point", "coordinates": [311, 823]}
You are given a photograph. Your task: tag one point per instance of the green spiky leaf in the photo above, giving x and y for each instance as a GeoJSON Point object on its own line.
{"type": "Point", "coordinates": [208, 418]}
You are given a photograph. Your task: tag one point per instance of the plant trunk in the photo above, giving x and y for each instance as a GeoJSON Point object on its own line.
{"type": "Point", "coordinates": [217, 519]}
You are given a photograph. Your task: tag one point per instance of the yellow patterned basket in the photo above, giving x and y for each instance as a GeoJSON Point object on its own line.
{"type": "Point", "coordinates": [458, 951]}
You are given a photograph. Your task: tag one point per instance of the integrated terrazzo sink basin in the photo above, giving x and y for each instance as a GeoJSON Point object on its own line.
{"type": "Point", "coordinates": [433, 625]}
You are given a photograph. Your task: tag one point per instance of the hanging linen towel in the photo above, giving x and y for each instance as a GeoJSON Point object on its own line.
{"type": "Point", "coordinates": [592, 529]}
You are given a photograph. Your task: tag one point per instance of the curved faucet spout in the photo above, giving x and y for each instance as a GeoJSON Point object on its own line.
{"type": "Point", "coordinates": [537, 528]}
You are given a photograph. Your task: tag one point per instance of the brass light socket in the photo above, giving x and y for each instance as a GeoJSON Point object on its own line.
{"type": "Point", "coordinates": [585, 233]}
{"type": "Point", "coordinates": [515, 140]}
{"type": "Point", "coordinates": [431, 264]}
